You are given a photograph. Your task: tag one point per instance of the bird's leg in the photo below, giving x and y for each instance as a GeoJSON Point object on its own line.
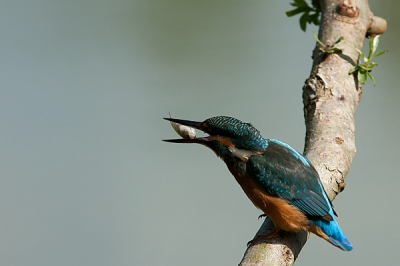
{"type": "Point", "coordinates": [273, 234]}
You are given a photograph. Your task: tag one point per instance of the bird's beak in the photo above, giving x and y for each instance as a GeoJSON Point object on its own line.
{"type": "Point", "coordinates": [196, 140]}
{"type": "Point", "coordinates": [192, 124]}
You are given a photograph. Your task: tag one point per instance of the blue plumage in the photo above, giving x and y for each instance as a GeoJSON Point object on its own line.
{"type": "Point", "coordinates": [297, 181]}
{"type": "Point", "coordinates": [291, 176]}
{"type": "Point", "coordinates": [276, 178]}
{"type": "Point", "coordinates": [333, 232]}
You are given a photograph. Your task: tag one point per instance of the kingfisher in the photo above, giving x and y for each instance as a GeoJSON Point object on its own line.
{"type": "Point", "coordinates": [275, 177]}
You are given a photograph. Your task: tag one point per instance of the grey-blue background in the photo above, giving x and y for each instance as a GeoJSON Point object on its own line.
{"type": "Point", "coordinates": [85, 178]}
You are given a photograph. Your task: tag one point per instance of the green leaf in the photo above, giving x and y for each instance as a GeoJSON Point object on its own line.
{"type": "Point", "coordinates": [353, 69]}
{"type": "Point", "coordinates": [335, 50]}
{"type": "Point", "coordinates": [316, 38]}
{"type": "Point", "coordinates": [314, 18]}
{"type": "Point", "coordinates": [371, 77]}
{"type": "Point", "coordinates": [296, 11]}
{"type": "Point", "coordinates": [375, 43]}
{"type": "Point", "coordinates": [303, 7]}
{"type": "Point", "coordinates": [358, 51]}
{"type": "Point", "coordinates": [300, 3]}
{"type": "Point", "coordinates": [378, 54]}
{"type": "Point", "coordinates": [303, 21]}
{"type": "Point", "coordinates": [370, 47]}
{"type": "Point", "coordinates": [362, 76]}
{"type": "Point", "coordinates": [362, 67]}
{"type": "Point", "coordinates": [366, 59]}
{"type": "Point", "coordinates": [315, 6]}
{"type": "Point", "coordinates": [370, 66]}
{"type": "Point", "coordinates": [338, 41]}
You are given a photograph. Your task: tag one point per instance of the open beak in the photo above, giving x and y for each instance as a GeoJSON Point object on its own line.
{"type": "Point", "coordinates": [192, 124]}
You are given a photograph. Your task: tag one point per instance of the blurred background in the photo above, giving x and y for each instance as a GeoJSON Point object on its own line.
{"type": "Point", "coordinates": [85, 178]}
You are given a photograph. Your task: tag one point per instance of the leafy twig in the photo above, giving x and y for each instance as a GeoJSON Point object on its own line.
{"type": "Point", "coordinates": [327, 48]}
{"type": "Point", "coordinates": [363, 70]}
{"type": "Point", "coordinates": [311, 13]}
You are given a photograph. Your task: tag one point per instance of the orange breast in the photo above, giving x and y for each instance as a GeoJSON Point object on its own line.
{"type": "Point", "coordinates": [284, 215]}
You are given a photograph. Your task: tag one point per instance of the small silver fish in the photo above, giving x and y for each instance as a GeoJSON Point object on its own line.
{"type": "Point", "coordinates": [183, 131]}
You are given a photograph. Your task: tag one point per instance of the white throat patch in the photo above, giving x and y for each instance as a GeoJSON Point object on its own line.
{"type": "Point", "coordinates": [242, 154]}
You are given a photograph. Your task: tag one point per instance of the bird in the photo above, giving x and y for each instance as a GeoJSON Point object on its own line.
{"type": "Point", "coordinates": [277, 179]}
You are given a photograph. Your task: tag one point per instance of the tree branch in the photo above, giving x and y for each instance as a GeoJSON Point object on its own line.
{"type": "Point", "coordinates": [330, 97]}
{"type": "Point", "coordinates": [378, 26]}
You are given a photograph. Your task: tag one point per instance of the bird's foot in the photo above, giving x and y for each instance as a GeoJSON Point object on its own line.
{"type": "Point", "coordinates": [273, 234]}
{"type": "Point", "coordinates": [262, 216]}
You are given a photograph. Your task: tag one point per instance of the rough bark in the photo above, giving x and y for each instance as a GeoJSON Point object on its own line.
{"type": "Point", "coordinates": [330, 97]}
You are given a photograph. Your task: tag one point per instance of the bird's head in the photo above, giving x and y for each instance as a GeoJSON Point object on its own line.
{"type": "Point", "coordinates": [228, 136]}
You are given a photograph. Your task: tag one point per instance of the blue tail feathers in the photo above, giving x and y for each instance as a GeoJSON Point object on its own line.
{"type": "Point", "coordinates": [333, 232]}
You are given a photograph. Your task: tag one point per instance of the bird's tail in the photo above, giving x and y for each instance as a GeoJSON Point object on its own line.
{"type": "Point", "coordinates": [331, 232]}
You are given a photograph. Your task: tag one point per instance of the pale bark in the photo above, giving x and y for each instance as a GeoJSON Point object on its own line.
{"type": "Point", "coordinates": [330, 97]}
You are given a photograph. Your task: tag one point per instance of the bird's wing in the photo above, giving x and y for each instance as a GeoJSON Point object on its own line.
{"type": "Point", "coordinates": [281, 171]}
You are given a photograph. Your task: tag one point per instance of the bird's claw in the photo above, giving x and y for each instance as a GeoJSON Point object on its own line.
{"type": "Point", "coordinates": [262, 216]}
{"type": "Point", "coordinates": [273, 234]}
